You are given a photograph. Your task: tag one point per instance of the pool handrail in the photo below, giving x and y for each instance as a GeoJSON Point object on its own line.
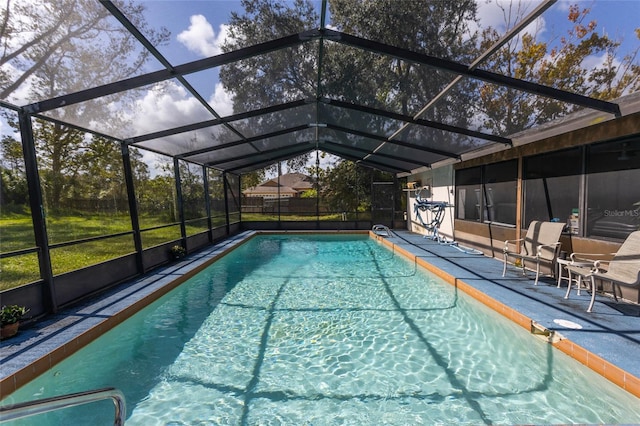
{"type": "Point", "coordinates": [45, 405]}
{"type": "Point", "coordinates": [381, 230]}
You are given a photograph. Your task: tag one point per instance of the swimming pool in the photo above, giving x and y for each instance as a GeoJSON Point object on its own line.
{"type": "Point", "coordinates": [327, 330]}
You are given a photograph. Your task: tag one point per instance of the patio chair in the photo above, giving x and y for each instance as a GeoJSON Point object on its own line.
{"type": "Point", "coordinates": [540, 245]}
{"type": "Point", "coordinates": [623, 270]}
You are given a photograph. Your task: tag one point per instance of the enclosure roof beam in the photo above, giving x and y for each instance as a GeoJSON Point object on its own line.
{"type": "Point", "coordinates": [339, 146]}
{"type": "Point", "coordinates": [394, 142]}
{"type": "Point", "coordinates": [217, 121]}
{"type": "Point", "coordinates": [303, 150]}
{"type": "Point", "coordinates": [417, 121]}
{"type": "Point", "coordinates": [241, 142]}
{"type": "Point", "coordinates": [117, 13]}
{"type": "Point", "coordinates": [255, 154]}
{"type": "Point", "coordinates": [257, 164]}
{"type": "Point", "coordinates": [369, 163]}
{"type": "Point", "coordinates": [292, 130]}
{"type": "Point", "coordinates": [113, 9]}
{"type": "Point", "coordinates": [166, 74]}
{"type": "Point", "coordinates": [458, 68]}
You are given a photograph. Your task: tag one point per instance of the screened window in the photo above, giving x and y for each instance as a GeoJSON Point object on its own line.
{"type": "Point", "coordinates": [233, 197]}
{"type": "Point", "coordinates": [552, 187]}
{"type": "Point", "coordinates": [468, 193]}
{"type": "Point", "coordinates": [85, 199]}
{"type": "Point", "coordinates": [613, 193]}
{"type": "Point", "coordinates": [216, 197]}
{"type": "Point", "coordinates": [193, 199]}
{"type": "Point", "coordinates": [19, 265]}
{"type": "Point", "coordinates": [499, 192]}
{"type": "Point", "coordinates": [488, 193]}
{"type": "Point", "coordinates": [155, 188]}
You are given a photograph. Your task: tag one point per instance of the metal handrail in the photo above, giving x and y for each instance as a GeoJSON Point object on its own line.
{"type": "Point", "coordinates": [40, 406]}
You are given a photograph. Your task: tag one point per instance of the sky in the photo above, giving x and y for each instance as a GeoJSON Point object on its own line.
{"type": "Point", "coordinates": [198, 27]}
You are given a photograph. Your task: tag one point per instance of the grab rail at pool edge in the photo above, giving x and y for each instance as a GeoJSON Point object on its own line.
{"type": "Point", "coordinates": [32, 408]}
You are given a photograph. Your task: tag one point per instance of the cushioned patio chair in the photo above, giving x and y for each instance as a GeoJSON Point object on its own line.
{"type": "Point", "coordinates": [623, 270]}
{"type": "Point", "coordinates": [540, 245]}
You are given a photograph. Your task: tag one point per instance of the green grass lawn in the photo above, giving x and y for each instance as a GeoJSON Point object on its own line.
{"type": "Point", "coordinates": [256, 217]}
{"type": "Point", "coordinates": [17, 234]}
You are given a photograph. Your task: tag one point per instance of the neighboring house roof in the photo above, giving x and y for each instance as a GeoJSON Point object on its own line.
{"type": "Point", "coordinates": [290, 183]}
{"type": "Point", "coordinates": [256, 190]}
{"type": "Point", "coordinates": [296, 181]}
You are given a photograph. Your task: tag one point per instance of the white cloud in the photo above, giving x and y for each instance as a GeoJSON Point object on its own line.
{"type": "Point", "coordinates": [22, 95]}
{"type": "Point", "coordinates": [564, 5]}
{"type": "Point", "coordinates": [168, 107]}
{"type": "Point", "coordinates": [600, 62]}
{"type": "Point", "coordinates": [221, 101]}
{"type": "Point", "coordinates": [6, 130]}
{"type": "Point", "coordinates": [499, 14]}
{"type": "Point", "coordinates": [503, 15]}
{"type": "Point", "coordinates": [596, 61]}
{"type": "Point", "coordinates": [201, 38]}
{"type": "Point", "coordinates": [490, 15]}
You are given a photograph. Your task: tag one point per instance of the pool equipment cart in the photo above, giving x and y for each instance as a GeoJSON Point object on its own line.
{"type": "Point", "coordinates": [435, 210]}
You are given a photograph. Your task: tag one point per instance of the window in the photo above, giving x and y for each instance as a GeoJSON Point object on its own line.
{"type": "Point", "coordinates": [468, 186]}
{"type": "Point", "coordinates": [552, 187]}
{"type": "Point", "coordinates": [613, 193]}
{"type": "Point", "coordinates": [488, 193]}
{"type": "Point", "coordinates": [500, 192]}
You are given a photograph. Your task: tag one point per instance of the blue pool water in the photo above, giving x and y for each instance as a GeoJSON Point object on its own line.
{"type": "Point", "coordinates": [301, 330]}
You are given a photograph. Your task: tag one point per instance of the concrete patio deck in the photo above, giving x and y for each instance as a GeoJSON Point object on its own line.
{"type": "Point", "coordinates": [608, 340]}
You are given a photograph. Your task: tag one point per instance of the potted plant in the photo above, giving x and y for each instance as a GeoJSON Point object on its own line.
{"type": "Point", "coordinates": [10, 319]}
{"type": "Point", "coordinates": [178, 251]}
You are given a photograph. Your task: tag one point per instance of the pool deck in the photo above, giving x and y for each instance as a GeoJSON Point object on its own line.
{"type": "Point", "coordinates": [608, 340]}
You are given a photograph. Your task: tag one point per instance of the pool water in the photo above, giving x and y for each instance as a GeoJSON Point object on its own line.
{"type": "Point", "coordinates": [326, 330]}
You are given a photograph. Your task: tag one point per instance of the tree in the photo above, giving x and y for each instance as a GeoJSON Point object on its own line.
{"type": "Point", "coordinates": [437, 28]}
{"type": "Point", "coordinates": [13, 179]}
{"type": "Point", "coordinates": [347, 186]}
{"type": "Point", "coordinates": [72, 41]}
{"type": "Point", "coordinates": [192, 185]}
{"type": "Point", "coordinates": [249, 180]}
{"type": "Point", "coordinates": [561, 65]}
{"type": "Point", "coordinates": [60, 150]}
{"type": "Point", "coordinates": [13, 189]}
{"type": "Point", "coordinates": [102, 175]}
{"type": "Point", "coordinates": [433, 27]}
{"type": "Point", "coordinates": [156, 199]}
{"type": "Point", "coordinates": [276, 77]}
{"type": "Point", "coordinates": [55, 47]}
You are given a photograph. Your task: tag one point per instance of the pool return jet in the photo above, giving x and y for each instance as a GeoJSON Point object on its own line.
{"type": "Point", "coordinates": [436, 210]}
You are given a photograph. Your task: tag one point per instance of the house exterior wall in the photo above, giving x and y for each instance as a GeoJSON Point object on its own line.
{"type": "Point", "coordinates": [489, 236]}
